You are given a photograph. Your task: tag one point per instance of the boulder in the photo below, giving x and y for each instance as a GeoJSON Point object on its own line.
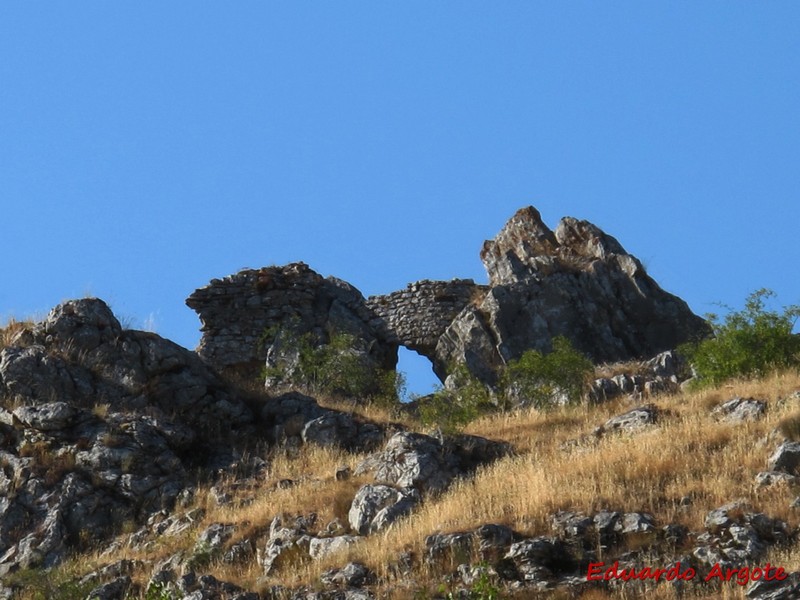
{"type": "Point", "coordinates": [631, 421]}
{"type": "Point", "coordinates": [786, 458]}
{"type": "Point", "coordinates": [375, 507]}
{"type": "Point", "coordinates": [352, 575]}
{"type": "Point", "coordinates": [319, 548]}
{"type": "Point", "coordinates": [738, 410]}
{"type": "Point", "coordinates": [428, 464]}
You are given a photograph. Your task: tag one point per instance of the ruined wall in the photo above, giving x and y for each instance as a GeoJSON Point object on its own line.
{"type": "Point", "coordinates": [237, 310]}
{"type": "Point", "coordinates": [418, 315]}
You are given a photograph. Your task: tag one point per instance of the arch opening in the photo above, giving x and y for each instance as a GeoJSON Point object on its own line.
{"type": "Point", "coordinates": [418, 370]}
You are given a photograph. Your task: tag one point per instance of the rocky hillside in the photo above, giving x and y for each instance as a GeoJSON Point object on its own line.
{"type": "Point", "coordinates": [133, 468]}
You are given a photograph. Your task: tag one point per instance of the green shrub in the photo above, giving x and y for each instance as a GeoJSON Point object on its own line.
{"type": "Point", "coordinates": [746, 343]}
{"type": "Point", "coordinates": [338, 367]}
{"type": "Point", "coordinates": [540, 379]}
{"type": "Point", "coordinates": [452, 409]}
{"type": "Point", "coordinates": [49, 584]}
{"type": "Point", "coordinates": [159, 591]}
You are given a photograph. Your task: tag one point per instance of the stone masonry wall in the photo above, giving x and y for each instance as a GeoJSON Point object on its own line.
{"type": "Point", "coordinates": [420, 314]}
{"type": "Point", "coordinates": [237, 310]}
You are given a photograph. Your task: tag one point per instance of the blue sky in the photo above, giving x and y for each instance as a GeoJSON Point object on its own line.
{"type": "Point", "coordinates": [146, 148]}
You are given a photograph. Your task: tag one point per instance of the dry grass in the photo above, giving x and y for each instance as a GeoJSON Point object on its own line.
{"type": "Point", "coordinates": [629, 367]}
{"type": "Point", "coordinates": [689, 454]}
{"type": "Point", "coordinates": [12, 329]}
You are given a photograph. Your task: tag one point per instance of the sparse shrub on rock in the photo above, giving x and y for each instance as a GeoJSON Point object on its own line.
{"type": "Point", "coordinates": [540, 379]}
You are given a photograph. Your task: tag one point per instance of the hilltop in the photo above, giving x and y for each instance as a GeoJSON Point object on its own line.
{"type": "Point", "coordinates": [275, 461]}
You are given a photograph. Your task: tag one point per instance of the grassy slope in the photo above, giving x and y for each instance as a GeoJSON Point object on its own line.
{"type": "Point", "coordinates": [688, 455]}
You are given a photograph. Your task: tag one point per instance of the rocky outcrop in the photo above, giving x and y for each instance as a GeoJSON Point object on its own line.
{"type": "Point", "coordinates": [104, 424]}
{"type": "Point", "coordinates": [242, 316]}
{"type": "Point", "coordinates": [293, 418]}
{"type": "Point", "coordinates": [427, 464]}
{"type": "Point", "coordinates": [576, 282]}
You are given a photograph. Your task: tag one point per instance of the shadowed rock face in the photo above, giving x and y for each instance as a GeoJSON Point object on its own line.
{"type": "Point", "coordinates": [576, 282]}
{"type": "Point", "coordinates": [100, 425]}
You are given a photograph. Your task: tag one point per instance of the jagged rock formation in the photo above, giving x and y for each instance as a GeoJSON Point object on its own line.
{"type": "Point", "coordinates": [576, 282]}
{"type": "Point", "coordinates": [242, 313]}
{"type": "Point", "coordinates": [101, 426]}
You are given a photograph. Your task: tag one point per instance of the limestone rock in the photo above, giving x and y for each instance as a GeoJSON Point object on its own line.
{"type": "Point", "coordinates": [537, 553]}
{"type": "Point", "coordinates": [106, 422]}
{"type": "Point", "coordinates": [319, 548]}
{"type": "Point", "coordinates": [297, 417]}
{"type": "Point", "coordinates": [114, 590]}
{"type": "Point", "coordinates": [631, 421]}
{"type": "Point", "coordinates": [775, 589]}
{"type": "Point", "coordinates": [576, 282]}
{"type": "Point", "coordinates": [375, 507]}
{"type": "Point", "coordinates": [738, 410]}
{"type": "Point", "coordinates": [786, 458]}
{"type": "Point", "coordinates": [352, 575]}
{"type": "Point", "coordinates": [415, 460]}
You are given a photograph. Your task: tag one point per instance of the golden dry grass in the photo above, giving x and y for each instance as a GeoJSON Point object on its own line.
{"type": "Point", "coordinates": [689, 454]}
{"type": "Point", "coordinates": [11, 329]}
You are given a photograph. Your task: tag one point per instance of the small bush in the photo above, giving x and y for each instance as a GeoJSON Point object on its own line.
{"type": "Point", "coordinates": [541, 379]}
{"type": "Point", "coordinates": [48, 584]}
{"type": "Point", "coordinates": [338, 367]}
{"type": "Point", "coordinates": [747, 343]}
{"type": "Point", "coordinates": [452, 409]}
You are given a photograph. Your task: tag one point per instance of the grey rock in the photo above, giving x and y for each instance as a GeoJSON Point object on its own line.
{"type": "Point", "coordinates": [331, 430]}
{"type": "Point", "coordinates": [375, 507]}
{"type": "Point", "coordinates": [215, 535]}
{"type": "Point", "coordinates": [738, 410]}
{"type": "Point", "coordinates": [352, 575]}
{"type": "Point", "coordinates": [570, 524]}
{"type": "Point", "coordinates": [630, 422]}
{"type": "Point", "coordinates": [772, 478]}
{"type": "Point", "coordinates": [451, 548]}
{"type": "Point", "coordinates": [493, 540]}
{"type": "Point", "coordinates": [322, 547]}
{"type": "Point", "coordinates": [786, 458]}
{"type": "Point", "coordinates": [534, 554]}
{"type": "Point", "coordinates": [48, 416]}
{"type": "Point", "coordinates": [414, 460]}
{"type": "Point", "coordinates": [114, 590]}
{"type": "Point", "coordinates": [577, 282]}
{"type": "Point", "coordinates": [787, 589]}
{"type": "Point", "coordinates": [725, 516]}
{"type": "Point", "coordinates": [636, 523]}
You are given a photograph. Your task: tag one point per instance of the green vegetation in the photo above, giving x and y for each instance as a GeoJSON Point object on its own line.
{"type": "Point", "coordinates": [535, 379]}
{"type": "Point", "coordinates": [538, 379]}
{"type": "Point", "coordinates": [747, 343]}
{"type": "Point", "coordinates": [159, 591]}
{"type": "Point", "coordinates": [452, 409]}
{"type": "Point", "coordinates": [336, 368]}
{"type": "Point", "coordinates": [48, 584]}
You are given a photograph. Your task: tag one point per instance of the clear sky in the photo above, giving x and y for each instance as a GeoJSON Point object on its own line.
{"type": "Point", "coordinates": [148, 147]}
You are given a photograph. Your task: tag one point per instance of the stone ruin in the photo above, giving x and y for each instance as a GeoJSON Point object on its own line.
{"type": "Point", "coordinates": [576, 281]}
